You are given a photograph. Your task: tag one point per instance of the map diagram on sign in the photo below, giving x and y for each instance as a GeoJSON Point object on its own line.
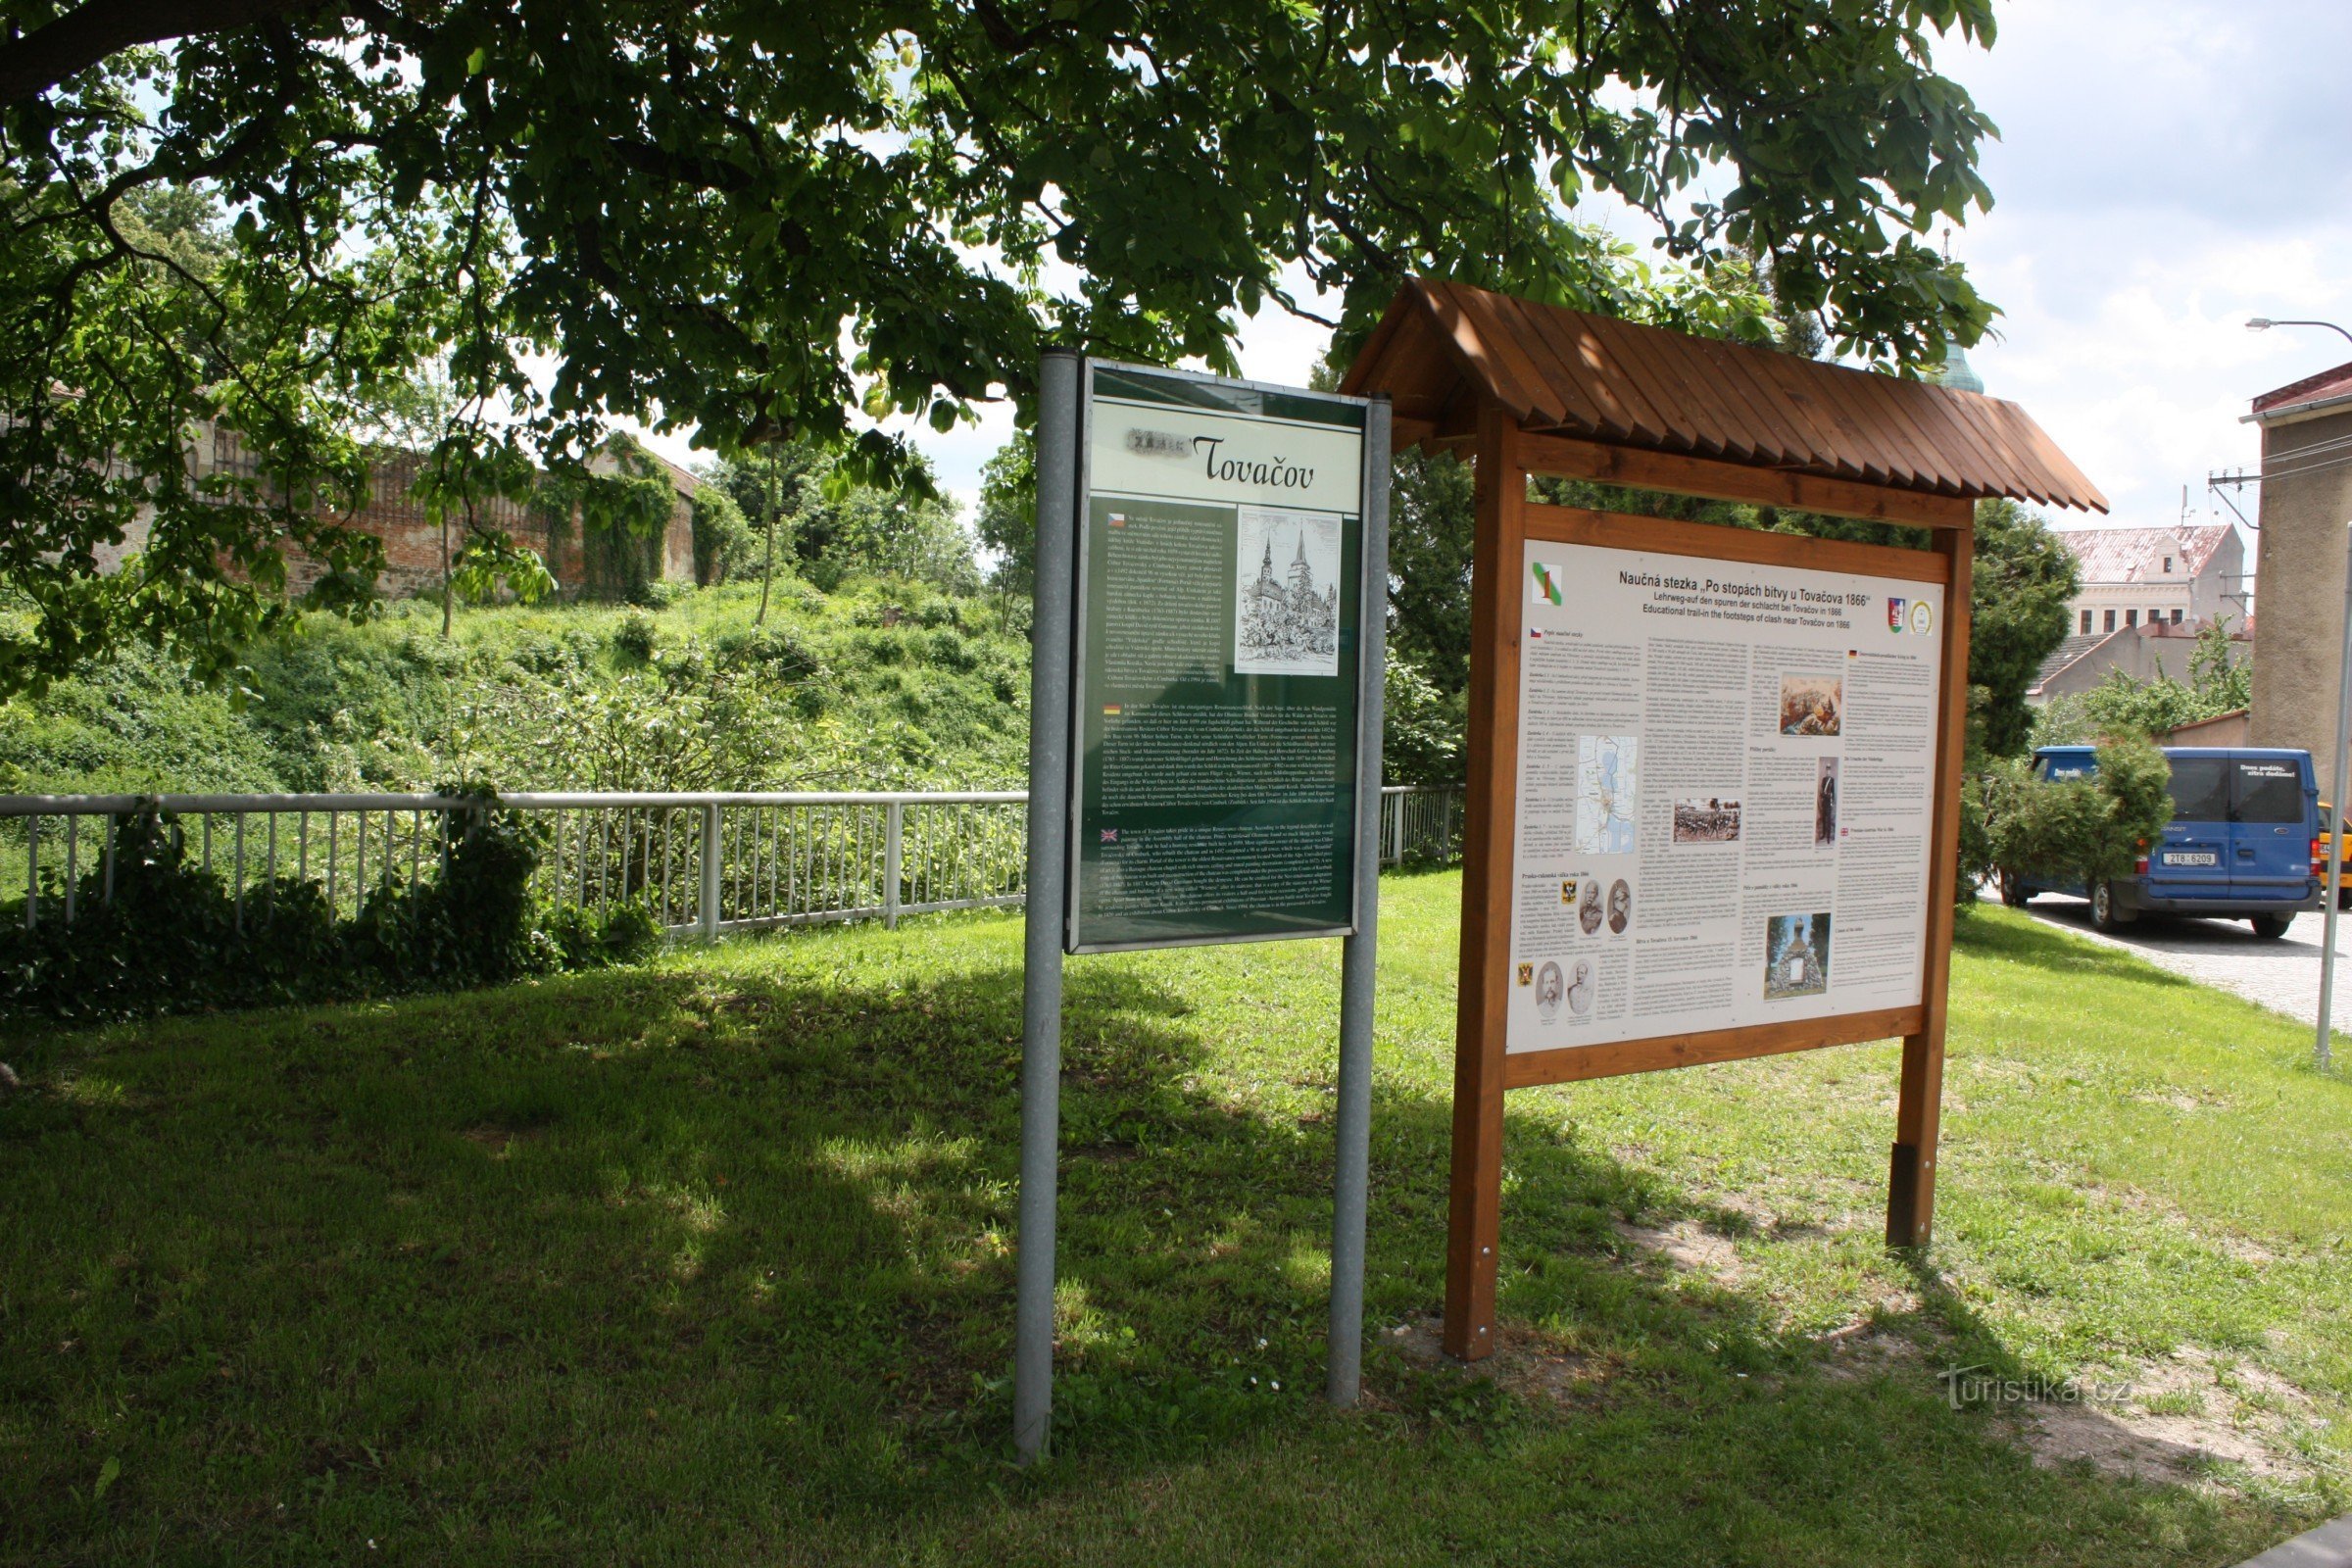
{"type": "Point", "coordinates": [1604, 794]}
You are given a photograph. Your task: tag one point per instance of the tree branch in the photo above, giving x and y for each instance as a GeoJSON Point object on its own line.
{"type": "Point", "coordinates": [32, 65]}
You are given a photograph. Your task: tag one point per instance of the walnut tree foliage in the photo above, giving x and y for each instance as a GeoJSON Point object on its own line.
{"type": "Point", "coordinates": [767, 222]}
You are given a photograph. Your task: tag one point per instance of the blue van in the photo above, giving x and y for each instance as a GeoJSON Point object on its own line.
{"type": "Point", "coordinates": [2243, 842]}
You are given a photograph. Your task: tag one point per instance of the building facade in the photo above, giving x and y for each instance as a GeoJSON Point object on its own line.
{"type": "Point", "coordinates": [2184, 576]}
{"type": "Point", "coordinates": [2306, 504]}
{"type": "Point", "coordinates": [412, 540]}
{"type": "Point", "coordinates": [2143, 650]}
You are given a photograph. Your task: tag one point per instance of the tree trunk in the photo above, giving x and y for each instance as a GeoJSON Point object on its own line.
{"type": "Point", "coordinates": [767, 569]}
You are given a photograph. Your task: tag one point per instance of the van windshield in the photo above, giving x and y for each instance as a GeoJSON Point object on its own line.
{"type": "Point", "coordinates": [2200, 789]}
{"type": "Point", "coordinates": [2270, 792]}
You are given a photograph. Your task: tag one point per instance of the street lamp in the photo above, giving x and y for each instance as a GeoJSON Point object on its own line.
{"type": "Point", "coordinates": [2343, 738]}
{"type": "Point", "coordinates": [2263, 323]}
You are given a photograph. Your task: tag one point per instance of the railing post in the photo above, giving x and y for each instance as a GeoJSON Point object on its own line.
{"type": "Point", "coordinates": [892, 856]}
{"type": "Point", "coordinates": [711, 873]}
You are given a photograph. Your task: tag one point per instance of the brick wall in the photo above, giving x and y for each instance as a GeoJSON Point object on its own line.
{"type": "Point", "coordinates": [412, 544]}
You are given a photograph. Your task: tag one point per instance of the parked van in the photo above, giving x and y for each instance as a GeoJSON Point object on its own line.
{"type": "Point", "coordinates": [2243, 843]}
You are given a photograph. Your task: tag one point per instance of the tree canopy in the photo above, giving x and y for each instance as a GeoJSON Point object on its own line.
{"type": "Point", "coordinates": [768, 223]}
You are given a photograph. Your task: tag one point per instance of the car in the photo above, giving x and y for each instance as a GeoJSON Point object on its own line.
{"type": "Point", "coordinates": [2343, 830]}
{"type": "Point", "coordinates": [2244, 841]}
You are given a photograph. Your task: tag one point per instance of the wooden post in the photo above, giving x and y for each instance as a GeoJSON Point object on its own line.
{"type": "Point", "coordinates": [1490, 809]}
{"type": "Point", "coordinates": [1911, 1178]}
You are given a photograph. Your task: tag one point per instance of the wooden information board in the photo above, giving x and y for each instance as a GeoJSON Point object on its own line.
{"type": "Point", "coordinates": [1713, 801]}
{"type": "Point", "coordinates": [1756, 962]}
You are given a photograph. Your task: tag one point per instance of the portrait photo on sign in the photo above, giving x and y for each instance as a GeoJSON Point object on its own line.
{"type": "Point", "coordinates": [1548, 989]}
{"type": "Point", "coordinates": [1580, 988]}
{"type": "Point", "coordinates": [1587, 912]}
{"type": "Point", "coordinates": [1825, 803]}
{"type": "Point", "coordinates": [1796, 955]}
{"type": "Point", "coordinates": [1621, 906]}
{"type": "Point", "coordinates": [1286, 618]}
{"type": "Point", "coordinates": [1812, 704]}
{"type": "Point", "coordinates": [1706, 819]}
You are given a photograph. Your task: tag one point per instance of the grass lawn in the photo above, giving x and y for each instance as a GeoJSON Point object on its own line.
{"type": "Point", "coordinates": [713, 1262]}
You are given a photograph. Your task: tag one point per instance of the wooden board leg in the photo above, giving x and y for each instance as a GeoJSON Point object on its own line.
{"type": "Point", "coordinates": [1911, 1176]}
{"type": "Point", "coordinates": [1474, 1223]}
{"type": "Point", "coordinates": [1474, 1219]}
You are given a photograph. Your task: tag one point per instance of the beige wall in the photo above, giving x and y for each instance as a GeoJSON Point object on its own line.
{"type": "Point", "coordinates": [2143, 652]}
{"type": "Point", "coordinates": [2300, 566]}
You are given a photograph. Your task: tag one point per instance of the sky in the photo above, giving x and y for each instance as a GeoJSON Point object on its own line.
{"type": "Point", "coordinates": [2165, 169]}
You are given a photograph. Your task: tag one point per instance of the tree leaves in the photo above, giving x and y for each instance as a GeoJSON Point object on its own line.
{"type": "Point", "coordinates": [729, 219]}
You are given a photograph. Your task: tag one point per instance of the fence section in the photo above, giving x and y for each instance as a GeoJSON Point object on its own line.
{"type": "Point", "coordinates": [703, 864]}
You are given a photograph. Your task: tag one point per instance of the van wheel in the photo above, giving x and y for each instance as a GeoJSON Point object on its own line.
{"type": "Point", "coordinates": [2103, 913]}
{"type": "Point", "coordinates": [2014, 892]}
{"type": "Point", "coordinates": [2270, 927]}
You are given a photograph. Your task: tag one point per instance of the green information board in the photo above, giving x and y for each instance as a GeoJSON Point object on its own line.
{"type": "Point", "coordinates": [1215, 689]}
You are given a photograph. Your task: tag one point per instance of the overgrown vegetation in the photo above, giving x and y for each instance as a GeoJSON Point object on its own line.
{"type": "Point", "coordinates": [713, 1261]}
{"type": "Point", "coordinates": [158, 932]}
{"type": "Point", "coordinates": [877, 685]}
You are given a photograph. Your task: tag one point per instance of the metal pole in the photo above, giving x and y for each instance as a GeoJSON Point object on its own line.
{"type": "Point", "coordinates": [893, 857]}
{"type": "Point", "coordinates": [1049, 853]}
{"type": "Point", "coordinates": [2335, 813]}
{"type": "Point", "coordinates": [711, 873]}
{"type": "Point", "coordinates": [1351, 1191]}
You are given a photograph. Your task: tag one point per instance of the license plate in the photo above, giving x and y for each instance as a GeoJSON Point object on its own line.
{"type": "Point", "coordinates": [2177, 858]}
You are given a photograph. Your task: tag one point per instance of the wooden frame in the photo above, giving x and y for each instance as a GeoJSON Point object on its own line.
{"type": "Point", "coordinates": [1504, 456]}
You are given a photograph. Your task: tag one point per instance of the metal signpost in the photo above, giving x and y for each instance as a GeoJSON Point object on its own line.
{"type": "Point", "coordinates": [1205, 742]}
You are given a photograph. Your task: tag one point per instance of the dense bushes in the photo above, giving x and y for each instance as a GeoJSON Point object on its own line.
{"type": "Point", "coordinates": [176, 938]}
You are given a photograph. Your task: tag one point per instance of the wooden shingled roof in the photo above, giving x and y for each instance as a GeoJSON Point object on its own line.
{"type": "Point", "coordinates": [1444, 346]}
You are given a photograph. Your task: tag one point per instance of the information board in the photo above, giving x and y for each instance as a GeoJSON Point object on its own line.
{"type": "Point", "coordinates": [1727, 776]}
{"type": "Point", "coordinates": [1216, 688]}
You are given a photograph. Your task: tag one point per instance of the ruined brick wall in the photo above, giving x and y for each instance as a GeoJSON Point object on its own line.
{"type": "Point", "coordinates": [413, 542]}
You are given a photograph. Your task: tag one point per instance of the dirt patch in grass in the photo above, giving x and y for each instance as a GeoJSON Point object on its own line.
{"type": "Point", "coordinates": [1690, 1247]}
{"type": "Point", "coordinates": [2175, 1420]}
{"type": "Point", "coordinates": [1528, 1362]}
{"type": "Point", "coordinates": [499, 1142]}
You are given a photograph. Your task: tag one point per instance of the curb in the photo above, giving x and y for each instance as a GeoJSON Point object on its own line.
{"type": "Point", "coordinates": [2328, 1546]}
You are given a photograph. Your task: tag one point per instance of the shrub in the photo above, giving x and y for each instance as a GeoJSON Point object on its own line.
{"type": "Point", "coordinates": [2077, 830]}
{"type": "Point", "coordinates": [174, 939]}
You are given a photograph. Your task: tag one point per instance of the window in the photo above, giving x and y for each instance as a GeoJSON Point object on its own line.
{"type": "Point", "coordinates": [2130, 618]}
{"type": "Point", "coordinates": [2168, 564]}
{"type": "Point", "coordinates": [2086, 622]}
{"type": "Point", "coordinates": [2270, 792]}
{"type": "Point", "coordinates": [2200, 789]}
{"type": "Point", "coordinates": [2176, 621]}
{"type": "Point", "coordinates": [2110, 620]}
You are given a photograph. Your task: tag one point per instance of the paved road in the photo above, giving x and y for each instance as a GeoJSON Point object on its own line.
{"type": "Point", "coordinates": [2281, 975]}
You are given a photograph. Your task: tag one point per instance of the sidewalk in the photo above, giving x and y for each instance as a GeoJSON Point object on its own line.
{"type": "Point", "coordinates": [2328, 1546]}
{"type": "Point", "coordinates": [2282, 975]}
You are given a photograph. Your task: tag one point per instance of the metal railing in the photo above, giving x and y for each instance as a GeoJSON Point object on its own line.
{"type": "Point", "coordinates": [701, 864]}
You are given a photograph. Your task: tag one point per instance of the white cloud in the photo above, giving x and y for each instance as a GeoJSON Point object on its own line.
{"type": "Point", "coordinates": [2166, 171]}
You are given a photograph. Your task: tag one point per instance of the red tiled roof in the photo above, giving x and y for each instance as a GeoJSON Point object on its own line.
{"type": "Point", "coordinates": [2137, 555]}
{"type": "Point", "coordinates": [1598, 378]}
{"type": "Point", "coordinates": [2318, 388]}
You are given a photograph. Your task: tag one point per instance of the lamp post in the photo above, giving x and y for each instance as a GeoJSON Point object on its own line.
{"type": "Point", "coordinates": [2343, 738]}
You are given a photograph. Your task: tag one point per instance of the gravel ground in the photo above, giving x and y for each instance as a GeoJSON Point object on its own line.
{"type": "Point", "coordinates": [2281, 975]}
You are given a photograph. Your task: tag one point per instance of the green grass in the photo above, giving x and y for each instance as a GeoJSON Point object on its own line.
{"type": "Point", "coordinates": [713, 1262]}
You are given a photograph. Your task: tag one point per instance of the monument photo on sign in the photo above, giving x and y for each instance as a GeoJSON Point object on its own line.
{"type": "Point", "coordinates": [1286, 618]}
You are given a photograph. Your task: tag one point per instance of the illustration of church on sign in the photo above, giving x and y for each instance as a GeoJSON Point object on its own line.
{"type": "Point", "coordinates": [1293, 622]}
